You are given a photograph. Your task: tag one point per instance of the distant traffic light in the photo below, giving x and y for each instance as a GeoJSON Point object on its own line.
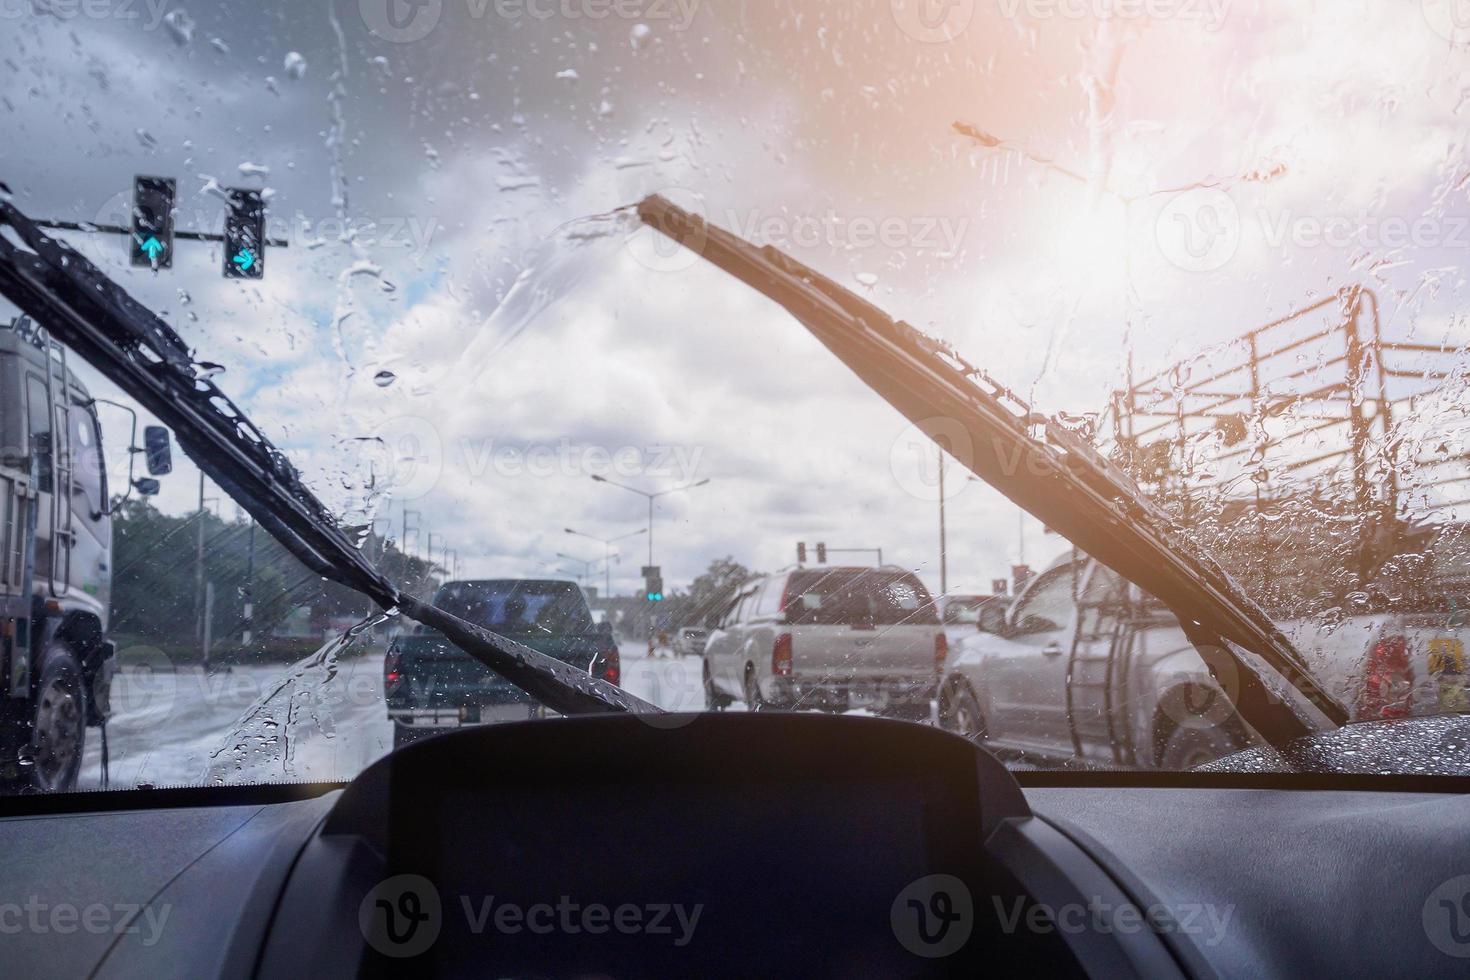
{"type": "Point", "coordinates": [244, 234]}
{"type": "Point", "coordinates": [801, 552]}
{"type": "Point", "coordinates": [821, 553]}
{"type": "Point", "coordinates": [151, 237]}
{"type": "Point", "coordinates": [653, 583]}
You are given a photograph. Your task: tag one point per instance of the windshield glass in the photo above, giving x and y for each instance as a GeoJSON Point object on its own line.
{"type": "Point", "coordinates": [1221, 244]}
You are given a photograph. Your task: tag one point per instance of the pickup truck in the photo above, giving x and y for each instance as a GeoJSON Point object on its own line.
{"type": "Point", "coordinates": [1391, 664]}
{"type": "Point", "coordinates": [1087, 670]}
{"type": "Point", "coordinates": [830, 637]}
{"type": "Point", "coordinates": [430, 684]}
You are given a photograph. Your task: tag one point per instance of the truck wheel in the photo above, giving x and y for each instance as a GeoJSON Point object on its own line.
{"type": "Point", "coordinates": [753, 699]}
{"type": "Point", "coordinates": [52, 756]}
{"type": "Point", "coordinates": [1188, 746]}
{"type": "Point", "coordinates": [959, 711]}
{"type": "Point", "coordinates": [713, 699]}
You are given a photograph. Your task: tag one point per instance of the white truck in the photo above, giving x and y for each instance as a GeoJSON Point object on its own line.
{"type": "Point", "coordinates": [830, 637]}
{"type": "Point", "coordinates": [55, 562]}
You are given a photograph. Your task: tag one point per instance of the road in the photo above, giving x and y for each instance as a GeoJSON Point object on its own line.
{"type": "Point", "coordinates": [274, 723]}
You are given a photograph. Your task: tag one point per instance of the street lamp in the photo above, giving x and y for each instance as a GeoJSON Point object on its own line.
{"type": "Point", "coordinates": [651, 497]}
{"type": "Point", "coordinates": [607, 543]}
{"type": "Point", "coordinates": [584, 562]}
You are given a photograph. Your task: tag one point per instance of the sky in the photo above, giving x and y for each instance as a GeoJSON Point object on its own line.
{"type": "Point", "coordinates": [460, 329]}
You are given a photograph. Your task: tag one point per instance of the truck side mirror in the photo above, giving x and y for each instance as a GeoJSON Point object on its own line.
{"type": "Point", "coordinates": [145, 486]}
{"type": "Point", "coordinates": [157, 452]}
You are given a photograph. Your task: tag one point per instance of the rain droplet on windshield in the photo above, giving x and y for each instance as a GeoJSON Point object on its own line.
{"type": "Point", "coordinates": [180, 26]}
{"type": "Point", "coordinates": [384, 378]}
{"type": "Point", "coordinates": [295, 65]}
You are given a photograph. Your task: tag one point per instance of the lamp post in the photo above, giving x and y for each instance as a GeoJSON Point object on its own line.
{"type": "Point", "coordinates": [607, 544]}
{"type": "Point", "coordinates": [651, 497]}
{"type": "Point", "coordinates": [586, 564]}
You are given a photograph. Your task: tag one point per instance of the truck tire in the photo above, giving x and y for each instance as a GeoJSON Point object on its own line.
{"type": "Point", "coordinates": [1188, 746]}
{"type": "Point", "coordinates": [959, 712]}
{"type": "Point", "coordinates": [53, 737]}
{"type": "Point", "coordinates": [753, 699]}
{"type": "Point", "coordinates": [713, 699]}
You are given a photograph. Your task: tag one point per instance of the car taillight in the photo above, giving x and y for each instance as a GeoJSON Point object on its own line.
{"type": "Point", "coordinates": [608, 665]}
{"type": "Point", "coordinates": [941, 651]}
{"type": "Point", "coordinates": [1388, 684]}
{"type": "Point", "coordinates": [781, 655]}
{"type": "Point", "coordinates": [392, 669]}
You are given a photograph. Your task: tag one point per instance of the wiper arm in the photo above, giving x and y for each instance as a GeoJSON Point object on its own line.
{"type": "Point", "coordinates": [127, 342]}
{"type": "Point", "coordinates": [1045, 469]}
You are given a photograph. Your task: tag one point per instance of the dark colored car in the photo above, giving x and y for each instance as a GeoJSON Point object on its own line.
{"type": "Point", "coordinates": [430, 684]}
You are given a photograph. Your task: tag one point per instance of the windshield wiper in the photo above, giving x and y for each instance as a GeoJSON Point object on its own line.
{"type": "Point", "coordinates": [1041, 466]}
{"type": "Point", "coordinates": [95, 317]}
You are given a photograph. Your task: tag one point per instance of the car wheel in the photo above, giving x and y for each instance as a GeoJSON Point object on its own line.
{"type": "Point", "coordinates": [959, 711]}
{"type": "Point", "coordinates": [713, 699]}
{"type": "Point", "coordinates": [56, 731]}
{"type": "Point", "coordinates": [406, 735]}
{"type": "Point", "coordinates": [753, 699]}
{"type": "Point", "coordinates": [1188, 746]}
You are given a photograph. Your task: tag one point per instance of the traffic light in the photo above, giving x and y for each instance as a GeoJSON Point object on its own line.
{"type": "Point", "coordinates": [151, 237]}
{"type": "Point", "coordinates": [821, 553]}
{"type": "Point", "coordinates": [801, 552]}
{"type": "Point", "coordinates": [244, 234]}
{"type": "Point", "coordinates": [653, 583]}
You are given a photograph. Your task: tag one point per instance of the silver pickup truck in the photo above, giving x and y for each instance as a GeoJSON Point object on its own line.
{"type": "Point", "coordinates": [832, 637]}
{"type": "Point", "coordinates": [1086, 669]}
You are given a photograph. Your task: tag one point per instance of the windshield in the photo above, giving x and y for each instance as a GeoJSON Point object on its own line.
{"type": "Point", "coordinates": [1220, 244]}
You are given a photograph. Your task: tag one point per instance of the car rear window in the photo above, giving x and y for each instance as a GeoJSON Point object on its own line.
{"type": "Point", "coordinates": [512, 605]}
{"type": "Point", "coordinates": [845, 597]}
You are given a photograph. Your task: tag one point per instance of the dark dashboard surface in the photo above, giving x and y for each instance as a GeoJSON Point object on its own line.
{"type": "Point", "coordinates": [1189, 881]}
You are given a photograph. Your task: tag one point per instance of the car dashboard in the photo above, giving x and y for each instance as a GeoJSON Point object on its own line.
{"type": "Point", "coordinates": [724, 845]}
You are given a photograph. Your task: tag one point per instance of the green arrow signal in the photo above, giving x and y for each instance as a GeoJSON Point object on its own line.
{"type": "Point", "coordinates": [244, 260]}
{"type": "Point", "coordinates": [152, 247]}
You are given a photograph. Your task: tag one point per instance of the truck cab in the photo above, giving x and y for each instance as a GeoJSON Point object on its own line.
{"type": "Point", "coordinates": [55, 564]}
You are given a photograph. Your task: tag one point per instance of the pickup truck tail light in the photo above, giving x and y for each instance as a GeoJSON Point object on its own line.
{"type": "Point", "coordinates": [1388, 682]}
{"type": "Point", "coordinates": [941, 651]}
{"type": "Point", "coordinates": [608, 665]}
{"type": "Point", "coordinates": [392, 669]}
{"type": "Point", "coordinates": [781, 655]}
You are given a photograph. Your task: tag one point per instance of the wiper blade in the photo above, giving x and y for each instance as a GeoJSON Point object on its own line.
{"type": "Point", "coordinates": [95, 317]}
{"type": "Point", "coordinates": [1041, 466]}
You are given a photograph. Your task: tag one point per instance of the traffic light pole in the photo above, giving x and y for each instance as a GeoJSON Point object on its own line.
{"type": "Point", "coordinates": [193, 236]}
